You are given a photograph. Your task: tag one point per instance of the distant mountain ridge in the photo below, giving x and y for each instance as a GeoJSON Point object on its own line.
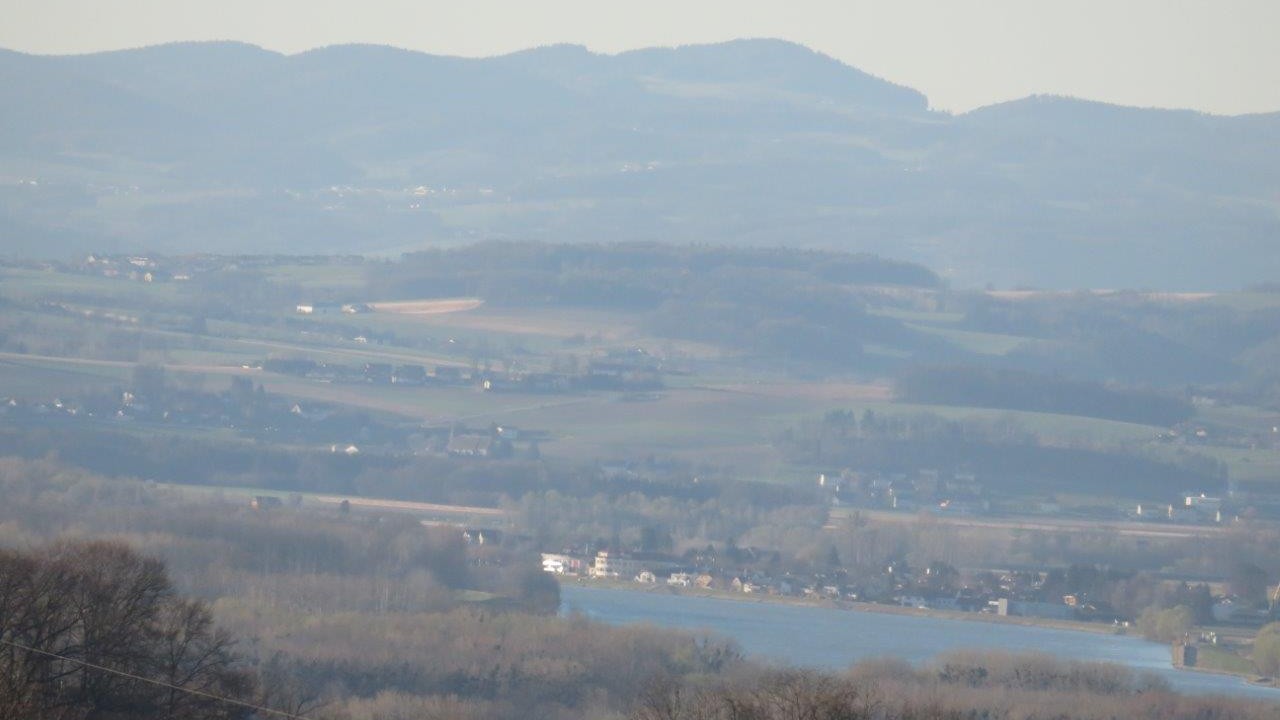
{"type": "Point", "coordinates": [226, 146]}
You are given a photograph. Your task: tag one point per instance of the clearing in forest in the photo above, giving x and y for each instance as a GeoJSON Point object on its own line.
{"type": "Point", "coordinates": [439, 306]}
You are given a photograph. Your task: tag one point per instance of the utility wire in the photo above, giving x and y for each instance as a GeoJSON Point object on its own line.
{"type": "Point", "coordinates": [161, 683]}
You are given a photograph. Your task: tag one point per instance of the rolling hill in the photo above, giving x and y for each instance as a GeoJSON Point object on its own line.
{"type": "Point", "coordinates": [362, 149]}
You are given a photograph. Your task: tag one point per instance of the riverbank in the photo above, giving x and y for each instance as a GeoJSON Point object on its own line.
{"type": "Point", "coordinates": [1249, 676]}
{"type": "Point", "coordinates": [798, 633]}
{"type": "Point", "coordinates": [856, 606]}
{"type": "Point", "coordinates": [1221, 660]}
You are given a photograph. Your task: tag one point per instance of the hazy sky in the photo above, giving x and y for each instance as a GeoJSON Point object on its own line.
{"type": "Point", "coordinates": [1220, 56]}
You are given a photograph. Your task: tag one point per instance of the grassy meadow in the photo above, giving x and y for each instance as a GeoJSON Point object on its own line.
{"type": "Point", "coordinates": [723, 409]}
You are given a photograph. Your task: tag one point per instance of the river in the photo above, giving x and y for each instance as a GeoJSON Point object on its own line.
{"type": "Point", "coordinates": [833, 638]}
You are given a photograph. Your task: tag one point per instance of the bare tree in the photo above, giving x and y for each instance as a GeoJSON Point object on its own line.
{"type": "Point", "coordinates": [94, 630]}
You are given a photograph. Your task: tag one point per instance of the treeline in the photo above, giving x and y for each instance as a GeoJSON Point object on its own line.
{"type": "Point", "coordinates": [288, 559]}
{"type": "Point", "coordinates": [186, 459]}
{"type": "Point", "coordinates": [96, 630]}
{"type": "Point", "coordinates": [93, 629]}
{"type": "Point", "coordinates": [359, 616]}
{"type": "Point", "coordinates": [326, 613]}
{"type": "Point", "coordinates": [990, 387]}
{"type": "Point", "coordinates": [959, 686]}
{"type": "Point", "coordinates": [196, 461]}
{"type": "Point", "coordinates": [1141, 339]}
{"type": "Point", "coordinates": [1009, 459]}
{"type": "Point", "coordinates": [663, 524]}
{"type": "Point", "coordinates": [318, 560]}
{"type": "Point", "coordinates": [801, 306]}
{"type": "Point", "coordinates": [783, 315]}
{"type": "Point", "coordinates": [630, 275]}
{"type": "Point", "coordinates": [502, 665]}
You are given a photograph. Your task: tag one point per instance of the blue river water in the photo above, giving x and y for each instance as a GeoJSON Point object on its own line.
{"type": "Point", "coordinates": [834, 638]}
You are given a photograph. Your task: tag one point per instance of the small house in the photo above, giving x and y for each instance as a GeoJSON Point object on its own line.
{"type": "Point", "coordinates": [470, 445]}
{"type": "Point", "coordinates": [265, 502]}
{"type": "Point", "coordinates": [1184, 654]}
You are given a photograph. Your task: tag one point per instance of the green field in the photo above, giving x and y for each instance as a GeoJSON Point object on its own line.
{"type": "Point", "coordinates": [975, 342]}
{"type": "Point", "coordinates": [943, 325]}
{"type": "Point", "coordinates": [43, 380]}
{"type": "Point", "coordinates": [920, 316]}
{"type": "Point", "coordinates": [22, 283]}
{"type": "Point", "coordinates": [1247, 465]}
{"type": "Point", "coordinates": [729, 412]}
{"type": "Point", "coordinates": [1247, 300]}
{"type": "Point", "coordinates": [334, 277]}
{"type": "Point", "coordinates": [1222, 659]}
{"type": "Point", "coordinates": [1243, 418]}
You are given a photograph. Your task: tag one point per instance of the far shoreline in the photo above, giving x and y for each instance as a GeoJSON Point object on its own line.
{"type": "Point", "coordinates": [868, 607]}
{"type": "Point", "coordinates": [851, 605]}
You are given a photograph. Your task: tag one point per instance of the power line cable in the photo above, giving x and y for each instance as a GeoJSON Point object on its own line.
{"type": "Point", "coordinates": [161, 683]}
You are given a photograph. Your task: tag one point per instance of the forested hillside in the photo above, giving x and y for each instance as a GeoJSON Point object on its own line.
{"type": "Point", "coordinates": [353, 149]}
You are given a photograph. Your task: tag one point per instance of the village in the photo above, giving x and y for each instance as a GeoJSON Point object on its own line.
{"type": "Point", "coordinates": [629, 370]}
{"type": "Point", "coordinates": [149, 398]}
{"type": "Point", "coordinates": [1076, 593]}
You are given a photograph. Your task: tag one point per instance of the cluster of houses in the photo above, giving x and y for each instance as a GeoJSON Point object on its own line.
{"type": "Point", "coordinates": [146, 268]}
{"type": "Point", "coordinates": [372, 373]}
{"type": "Point", "coordinates": [933, 588]}
{"type": "Point", "coordinates": [1024, 593]}
{"type": "Point", "coordinates": [124, 406]}
{"type": "Point", "coordinates": [1195, 509]}
{"type": "Point", "coordinates": [12, 407]}
{"type": "Point", "coordinates": [621, 371]}
{"type": "Point", "coordinates": [133, 267]}
{"type": "Point", "coordinates": [629, 370]}
{"type": "Point", "coordinates": [242, 408]}
{"type": "Point", "coordinates": [246, 409]}
{"type": "Point", "coordinates": [961, 493]}
{"type": "Point", "coordinates": [1264, 435]}
{"type": "Point", "coordinates": [496, 441]}
{"type": "Point", "coordinates": [1199, 508]}
{"type": "Point", "coordinates": [331, 308]}
{"type": "Point", "coordinates": [956, 493]}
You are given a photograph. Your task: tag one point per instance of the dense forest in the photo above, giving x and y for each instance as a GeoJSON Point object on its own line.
{"type": "Point", "coordinates": [954, 687]}
{"type": "Point", "coordinates": [96, 630]}
{"type": "Point", "coordinates": [631, 276]}
{"type": "Point", "coordinates": [1015, 390]}
{"type": "Point", "coordinates": [819, 310]}
{"type": "Point", "coordinates": [1143, 339]}
{"type": "Point", "coordinates": [806, 307]}
{"type": "Point", "coordinates": [430, 478]}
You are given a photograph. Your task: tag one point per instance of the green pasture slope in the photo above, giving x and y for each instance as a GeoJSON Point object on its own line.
{"type": "Point", "coordinates": [698, 417]}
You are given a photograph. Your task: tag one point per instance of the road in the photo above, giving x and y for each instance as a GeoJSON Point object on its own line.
{"type": "Point", "coordinates": [409, 506]}
{"type": "Point", "coordinates": [32, 360]}
{"type": "Point", "coordinates": [1042, 524]}
{"type": "Point", "coordinates": [357, 503]}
